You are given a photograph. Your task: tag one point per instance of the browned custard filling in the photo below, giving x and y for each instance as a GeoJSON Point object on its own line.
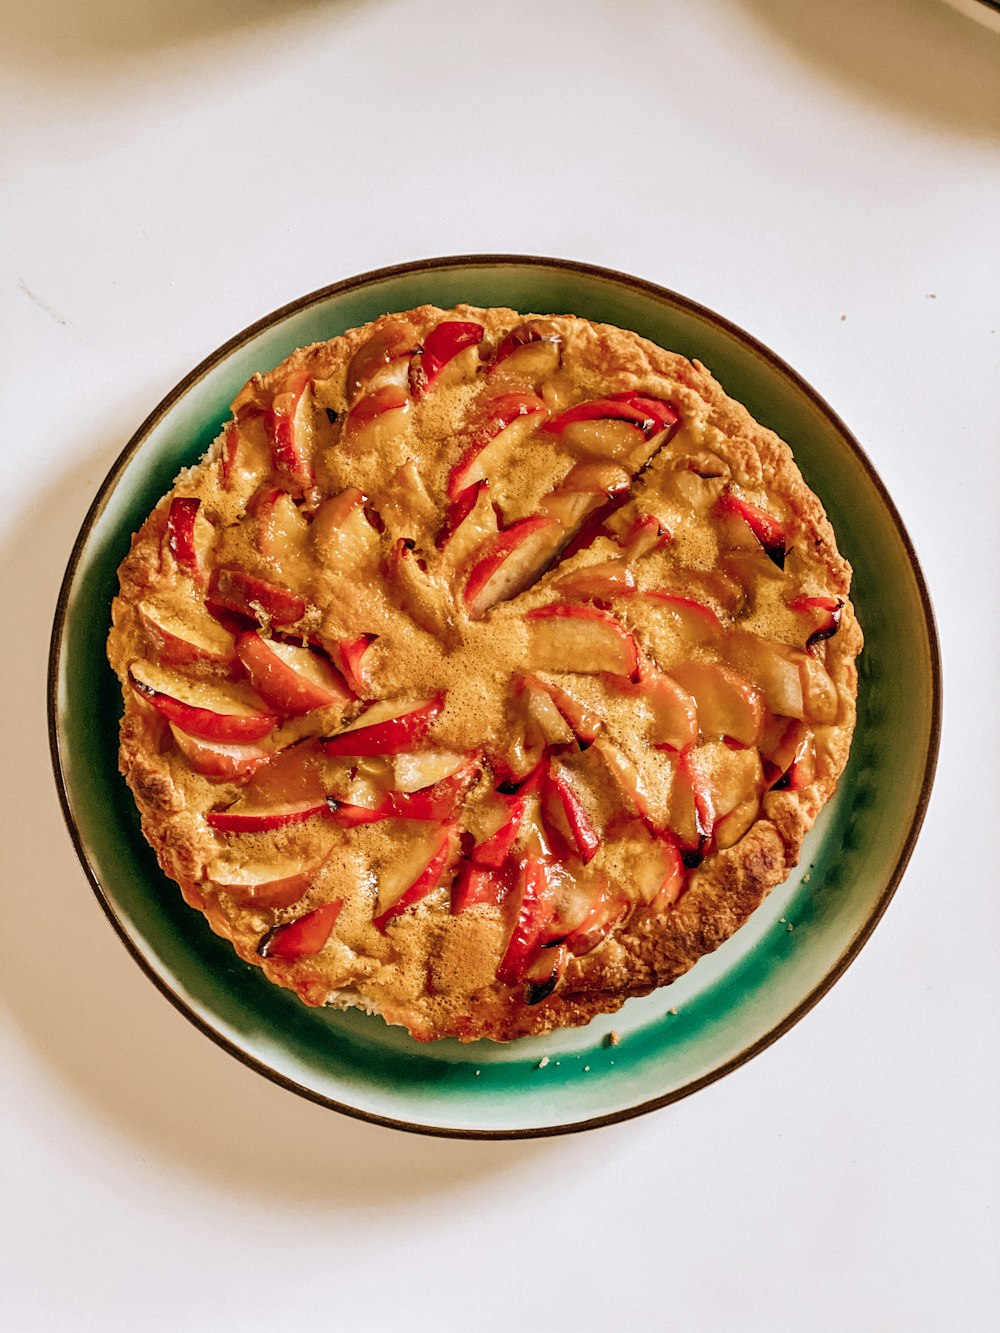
{"type": "Point", "coordinates": [473, 644]}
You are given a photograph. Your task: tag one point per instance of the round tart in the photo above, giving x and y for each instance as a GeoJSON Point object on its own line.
{"type": "Point", "coordinates": [489, 670]}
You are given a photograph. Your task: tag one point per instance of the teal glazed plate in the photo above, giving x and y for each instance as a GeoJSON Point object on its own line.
{"type": "Point", "coordinates": [734, 1002]}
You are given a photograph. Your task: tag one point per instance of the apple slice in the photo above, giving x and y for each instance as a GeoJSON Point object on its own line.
{"type": "Point", "coordinates": [696, 622]}
{"type": "Point", "coordinates": [386, 728]}
{"type": "Point", "coordinates": [562, 804]}
{"type": "Point", "coordinates": [286, 422]}
{"type": "Point", "coordinates": [800, 770]}
{"type": "Point", "coordinates": [648, 415]}
{"type": "Point", "coordinates": [413, 770]}
{"type": "Point", "coordinates": [569, 637]}
{"type": "Point", "coordinates": [824, 612]}
{"type": "Point", "coordinates": [478, 885]}
{"type": "Point", "coordinates": [376, 406]}
{"type": "Point", "coordinates": [773, 668]}
{"type": "Point", "coordinates": [543, 972]}
{"type": "Point", "coordinates": [820, 700]}
{"type": "Point", "coordinates": [255, 597]}
{"type": "Point", "coordinates": [673, 713]}
{"type": "Point", "coordinates": [245, 819]}
{"type": "Point", "coordinates": [405, 505]}
{"type": "Point", "coordinates": [507, 422]}
{"type": "Point", "coordinates": [219, 762]}
{"type": "Point", "coordinates": [189, 535]}
{"type": "Point", "coordinates": [281, 529]}
{"type": "Point", "coordinates": [692, 810]}
{"type": "Point", "coordinates": [736, 822]}
{"type": "Point", "coordinates": [384, 358]}
{"type": "Point", "coordinates": [598, 582]}
{"type": "Point", "coordinates": [291, 679]}
{"type": "Point", "coordinates": [728, 705]}
{"type": "Point", "coordinates": [535, 908]}
{"type": "Point", "coordinates": [639, 534]}
{"type": "Point", "coordinates": [607, 910]}
{"type": "Point", "coordinates": [351, 659]}
{"type": "Point", "coordinates": [530, 352]}
{"type": "Point", "coordinates": [657, 871]}
{"type": "Point", "coordinates": [764, 526]}
{"type": "Point", "coordinates": [209, 712]}
{"type": "Point", "coordinates": [262, 886]}
{"type": "Point", "coordinates": [414, 873]}
{"type": "Point", "coordinates": [442, 345]}
{"type": "Point", "coordinates": [303, 937]}
{"type": "Point", "coordinates": [508, 563]}
{"type": "Point", "coordinates": [345, 537]}
{"type": "Point", "coordinates": [494, 849]}
{"type": "Point", "coordinates": [582, 721]}
{"type": "Point", "coordinates": [228, 454]}
{"type": "Point", "coordinates": [175, 643]}
{"type": "Point", "coordinates": [625, 774]}
{"type": "Point", "coordinates": [288, 790]}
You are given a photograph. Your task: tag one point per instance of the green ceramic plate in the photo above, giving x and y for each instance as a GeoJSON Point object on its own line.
{"type": "Point", "coordinates": [733, 1003]}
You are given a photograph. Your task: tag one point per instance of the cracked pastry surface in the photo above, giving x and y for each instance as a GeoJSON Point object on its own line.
{"type": "Point", "coordinates": [488, 670]}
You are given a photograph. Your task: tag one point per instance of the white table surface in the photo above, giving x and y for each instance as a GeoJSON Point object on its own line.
{"type": "Point", "coordinates": [828, 177]}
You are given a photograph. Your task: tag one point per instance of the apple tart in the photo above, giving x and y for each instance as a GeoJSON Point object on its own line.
{"type": "Point", "coordinates": [488, 670]}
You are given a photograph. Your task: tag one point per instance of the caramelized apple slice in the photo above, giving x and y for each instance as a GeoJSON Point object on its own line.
{"type": "Point", "coordinates": [189, 536]}
{"type": "Point", "coordinates": [535, 908]}
{"type": "Point", "coordinates": [695, 621]}
{"type": "Point", "coordinates": [289, 678]}
{"type": "Point", "coordinates": [764, 526]}
{"type": "Point", "coordinates": [384, 407]}
{"type": "Point", "coordinates": [217, 761]}
{"type": "Point", "coordinates": [201, 644]}
{"type": "Point", "coordinates": [568, 637]}
{"type": "Point", "coordinates": [281, 529]}
{"type": "Point", "coordinates": [477, 885]}
{"type": "Point", "coordinates": [386, 728]}
{"type": "Point", "coordinates": [530, 352]}
{"type": "Point", "coordinates": [582, 721]}
{"type": "Point", "coordinates": [231, 715]}
{"type": "Point", "coordinates": [303, 937]}
{"type": "Point", "coordinates": [824, 614]}
{"type": "Point", "coordinates": [343, 533]}
{"type": "Point", "coordinates": [508, 563]}
{"type": "Point", "coordinates": [443, 346]}
{"type": "Point", "coordinates": [288, 790]}
{"type": "Point", "coordinates": [728, 706]}
{"type": "Point", "coordinates": [384, 358]}
{"type": "Point", "coordinates": [625, 774]}
{"type": "Point", "coordinates": [692, 809]}
{"type": "Point", "coordinates": [351, 654]}
{"type": "Point", "coordinates": [655, 865]}
{"type": "Point", "coordinates": [405, 506]}
{"type": "Point", "coordinates": [287, 424]}
{"type": "Point", "coordinates": [598, 582]}
{"type": "Point", "coordinates": [269, 886]}
{"type": "Point", "coordinates": [507, 422]}
{"type": "Point", "coordinates": [256, 598]}
{"type": "Point", "coordinates": [543, 972]}
{"type": "Point", "coordinates": [772, 667]}
{"type": "Point", "coordinates": [415, 872]}
{"type": "Point", "coordinates": [562, 805]}
{"type": "Point", "coordinates": [673, 714]}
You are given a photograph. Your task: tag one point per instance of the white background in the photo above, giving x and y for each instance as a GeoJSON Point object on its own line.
{"type": "Point", "coordinates": [827, 176]}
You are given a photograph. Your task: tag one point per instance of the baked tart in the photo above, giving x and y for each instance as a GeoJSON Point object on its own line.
{"type": "Point", "coordinates": [487, 671]}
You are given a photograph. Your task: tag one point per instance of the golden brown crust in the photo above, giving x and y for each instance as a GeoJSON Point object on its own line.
{"type": "Point", "coordinates": [432, 969]}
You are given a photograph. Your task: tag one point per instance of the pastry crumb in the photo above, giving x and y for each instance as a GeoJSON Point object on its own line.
{"type": "Point", "coordinates": [612, 1038]}
{"type": "Point", "coordinates": [542, 1062]}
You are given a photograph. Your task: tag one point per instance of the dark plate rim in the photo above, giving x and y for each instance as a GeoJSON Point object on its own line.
{"type": "Point", "coordinates": [438, 264]}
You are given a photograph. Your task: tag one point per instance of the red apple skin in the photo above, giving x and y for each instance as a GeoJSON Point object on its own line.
{"type": "Point", "coordinates": [585, 837]}
{"type": "Point", "coordinates": [543, 972]}
{"type": "Point", "coordinates": [425, 883]}
{"type": "Point", "coordinates": [711, 620]}
{"type": "Point", "coordinates": [230, 449]}
{"type": "Point", "coordinates": [499, 550]}
{"type": "Point", "coordinates": [351, 653]}
{"type": "Point", "coordinates": [536, 907]}
{"type": "Point", "coordinates": [280, 422]}
{"type": "Point", "coordinates": [220, 763]}
{"type": "Point", "coordinates": [234, 728]}
{"type": "Point", "coordinates": [396, 339]}
{"type": "Point", "coordinates": [236, 590]}
{"type": "Point", "coordinates": [443, 344]}
{"type": "Point", "coordinates": [500, 413]}
{"type": "Point", "coordinates": [460, 508]}
{"type": "Point", "coordinates": [825, 613]}
{"type": "Point", "coordinates": [171, 649]}
{"type": "Point", "coordinates": [477, 884]}
{"type": "Point", "coordinates": [280, 685]}
{"type": "Point", "coordinates": [609, 625]}
{"type": "Point", "coordinates": [435, 804]}
{"type": "Point", "coordinates": [650, 415]}
{"type": "Point", "coordinates": [181, 519]}
{"type": "Point", "coordinates": [607, 912]}
{"type": "Point", "coordinates": [303, 937]}
{"type": "Point", "coordinates": [393, 736]}
{"type": "Point", "coordinates": [387, 399]}
{"type": "Point", "coordinates": [263, 821]}
{"type": "Point", "coordinates": [764, 526]}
